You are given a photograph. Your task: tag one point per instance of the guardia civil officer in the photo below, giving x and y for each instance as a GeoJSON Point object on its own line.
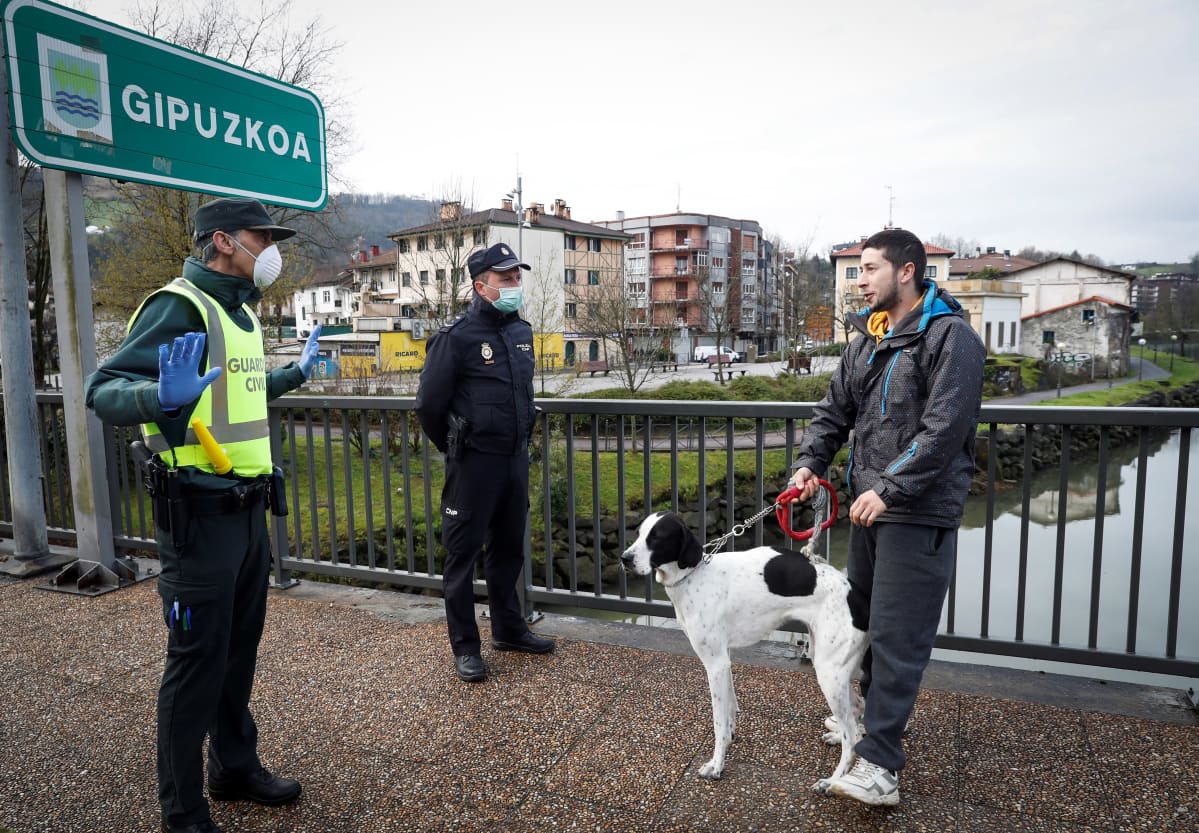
{"type": "Point", "coordinates": [194, 349]}
{"type": "Point", "coordinates": [475, 402]}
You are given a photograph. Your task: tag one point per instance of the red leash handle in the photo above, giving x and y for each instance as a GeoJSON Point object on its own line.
{"type": "Point", "coordinates": [782, 510]}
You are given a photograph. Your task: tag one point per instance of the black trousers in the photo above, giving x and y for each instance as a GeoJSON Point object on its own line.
{"type": "Point", "coordinates": [214, 605]}
{"type": "Point", "coordinates": [484, 508]}
{"type": "Point", "coordinates": [904, 570]}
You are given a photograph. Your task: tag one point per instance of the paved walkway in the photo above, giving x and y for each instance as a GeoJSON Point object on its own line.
{"type": "Point", "coordinates": [355, 697]}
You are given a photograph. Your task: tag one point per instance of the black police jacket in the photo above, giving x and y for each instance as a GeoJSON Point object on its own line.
{"type": "Point", "coordinates": [480, 368]}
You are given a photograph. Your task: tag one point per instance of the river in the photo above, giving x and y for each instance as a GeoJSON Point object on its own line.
{"type": "Point", "coordinates": [1079, 537]}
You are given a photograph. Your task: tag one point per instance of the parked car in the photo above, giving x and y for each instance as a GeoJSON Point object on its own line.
{"type": "Point", "coordinates": [705, 350]}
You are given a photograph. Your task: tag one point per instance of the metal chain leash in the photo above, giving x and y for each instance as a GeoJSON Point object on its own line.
{"type": "Point", "coordinates": [713, 546]}
{"type": "Point", "coordinates": [819, 507]}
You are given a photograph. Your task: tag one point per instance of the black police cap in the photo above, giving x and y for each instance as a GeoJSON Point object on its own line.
{"type": "Point", "coordinates": [231, 215]}
{"type": "Point", "coordinates": [497, 258]}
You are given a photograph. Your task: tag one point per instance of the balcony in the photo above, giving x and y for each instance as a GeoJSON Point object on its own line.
{"type": "Point", "coordinates": [689, 246]}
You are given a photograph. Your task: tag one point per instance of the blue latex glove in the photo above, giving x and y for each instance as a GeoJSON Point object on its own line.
{"type": "Point", "coordinates": [179, 381]}
{"type": "Point", "coordinates": [310, 353]}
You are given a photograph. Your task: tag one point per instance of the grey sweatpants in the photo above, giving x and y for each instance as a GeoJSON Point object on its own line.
{"type": "Point", "coordinates": [904, 570]}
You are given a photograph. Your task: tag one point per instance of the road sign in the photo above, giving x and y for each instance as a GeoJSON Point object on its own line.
{"type": "Point", "coordinates": [96, 98]}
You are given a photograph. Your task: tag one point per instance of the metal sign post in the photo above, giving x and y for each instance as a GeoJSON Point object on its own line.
{"type": "Point", "coordinates": [31, 547]}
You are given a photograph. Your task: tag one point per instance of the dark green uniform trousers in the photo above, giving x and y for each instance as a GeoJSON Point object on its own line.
{"type": "Point", "coordinates": [214, 604]}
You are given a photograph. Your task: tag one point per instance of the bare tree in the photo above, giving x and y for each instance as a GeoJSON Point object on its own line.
{"type": "Point", "coordinates": [152, 225]}
{"type": "Point", "coordinates": [544, 309]}
{"type": "Point", "coordinates": [434, 256]}
{"type": "Point", "coordinates": [631, 335]}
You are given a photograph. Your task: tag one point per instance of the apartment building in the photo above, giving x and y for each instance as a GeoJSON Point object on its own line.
{"type": "Point", "coordinates": [424, 282]}
{"type": "Point", "coordinates": [695, 277]}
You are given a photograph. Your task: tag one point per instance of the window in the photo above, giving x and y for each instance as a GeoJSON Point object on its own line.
{"type": "Point", "coordinates": [391, 276]}
{"type": "Point", "coordinates": [930, 271]}
{"type": "Point", "coordinates": [718, 287]}
{"type": "Point", "coordinates": [422, 244]}
{"type": "Point", "coordinates": [593, 277]}
{"type": "Point", "coordinates": [1088, 316]}
{"type": "Point", "coordinates": [406, 279]}
{"type": "Point", "coordinates": [402, 245]}
{"type": "Point", "coordinates": [459, 239]}
{"type": "Point", "coordinates": [680, 237]}
{"type": "Point", "coordinates": [325, 296]}
{"type": "Point", "coordinates": [999, 335]}
{"type": "Point", "coordinates": [637, 265]}
{"type": "Point", "coordinates": [424, 277]}
{"type": "Point", "coordinates": [637, 287]}
{"type": "Point", "coordinates": [441, 277]}
{"type": "Point", "coordinates": [701, 258]}
{"type": "Point", "coordinates": [851, 273]}
{"type": "Point", "coordinates": [680, 265]}
{"type": "Point", "coordinates": [680, 290]}
{"type": "Point", "coordinates": [572, 310]}
{"type": "Point", "coordinates": [593, 244]}
{"type": "Point", "coordinates": [638, 241]}
{"type": "Point", "coordinates": [439, 241]}
{"type": "Point", "coordinates": [748, 288]}
{"type": "Point", "coordinates": [1047, 337]}
{"type": "Point", "coordinates": [717, 262]}
{"type": "Point", "coordinates": [569, 241]}
{"type": "Point", "coordinates": [569, 276]}
{"type": "Point", "coordinates": [479, 235]}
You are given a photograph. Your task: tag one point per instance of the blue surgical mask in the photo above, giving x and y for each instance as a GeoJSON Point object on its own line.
{"type": "Point", "coordinates": [510, 298]}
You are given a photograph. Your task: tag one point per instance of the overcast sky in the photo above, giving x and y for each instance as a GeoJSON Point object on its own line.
{"type": "Point", "coordinates": [1064, 124]}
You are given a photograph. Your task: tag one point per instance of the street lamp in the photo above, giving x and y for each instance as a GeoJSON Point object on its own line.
{"type": "Point", "coordinates": [1173, 338]}
{"type": "Point", "coordinates": [515, 194]}
{"type": "Point", "coordinates": [1141, 366]}
{"type": "Point", "coordinates": [1061, 366]}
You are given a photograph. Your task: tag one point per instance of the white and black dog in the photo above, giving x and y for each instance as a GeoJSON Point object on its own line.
{"type": "Point", "coordinates": [738, 598]}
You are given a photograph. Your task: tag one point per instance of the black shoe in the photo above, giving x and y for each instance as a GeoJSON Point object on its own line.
{"type": "Point", "coordinates": [470, 668]}
{"type": "Point", "coordinates": [261, 788]}
{"type": "Point", "coordinates": [528, 642]}
{"type": "Point", "coordinates": [198, 827]}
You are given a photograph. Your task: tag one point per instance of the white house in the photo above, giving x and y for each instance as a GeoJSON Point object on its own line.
{"type": "Point", "coordinates": [327, 298]}
{"type": "Point", "coordinates": [1061, 281]}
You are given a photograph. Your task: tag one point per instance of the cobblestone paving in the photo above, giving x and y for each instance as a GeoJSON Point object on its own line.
{"type": "Point", "coordinates": [361, 706]}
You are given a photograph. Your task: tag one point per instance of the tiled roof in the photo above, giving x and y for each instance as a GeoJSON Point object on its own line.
{"type": "Point", "coordinates": [1129, 276]}
{"type": "Point", "coordinates": [856, 251]}
{"type": "Point", "coordinates": [1094, 299]}
{"type": "Point", "coordinates": [503, 217]}
{"type": "Point", "coordinates": [1003, 263]}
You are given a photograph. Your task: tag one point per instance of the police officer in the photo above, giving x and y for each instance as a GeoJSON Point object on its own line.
{"type": "Point", "coordinates": [194, 350]}
{"type": "Point", "coordinates": [475, 402]}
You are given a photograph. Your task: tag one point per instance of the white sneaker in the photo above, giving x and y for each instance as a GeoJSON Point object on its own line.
{"type": "Point", "coordinates": [866, 782]}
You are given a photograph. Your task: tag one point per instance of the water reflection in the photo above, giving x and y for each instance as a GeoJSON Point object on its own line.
{"type": "Point", "coordinates": [1123, 581]}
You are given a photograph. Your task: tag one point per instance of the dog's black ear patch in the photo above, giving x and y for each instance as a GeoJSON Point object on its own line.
{"type": "Point", "coordinates": [670, 540]}
{"type": "Point", "coordinates": [790, 574]}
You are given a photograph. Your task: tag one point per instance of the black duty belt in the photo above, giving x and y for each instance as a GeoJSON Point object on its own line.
{"type": "Point", "coordinates": [240, 497]}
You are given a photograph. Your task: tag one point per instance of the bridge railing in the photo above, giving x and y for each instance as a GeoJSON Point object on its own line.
{"type": "Point", "coordinates": [1100, 571]}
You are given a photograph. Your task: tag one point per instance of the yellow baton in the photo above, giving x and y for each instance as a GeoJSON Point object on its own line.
{"type": "Point", "coordinates": [221, 463]}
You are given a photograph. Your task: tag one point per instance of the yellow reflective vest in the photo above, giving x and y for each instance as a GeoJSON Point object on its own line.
{"type": "Point", "coordinates": [234, 405]}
